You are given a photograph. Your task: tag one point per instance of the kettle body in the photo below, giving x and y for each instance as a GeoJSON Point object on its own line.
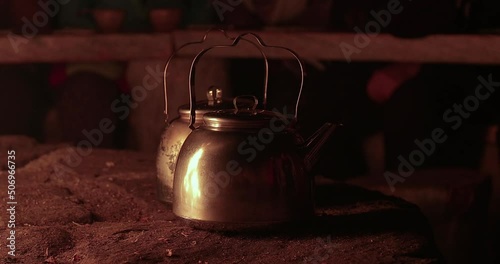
{"type": "Point", "coordinates": [172, 139]}
{"type": "Point", "coordinates": [238, 177]}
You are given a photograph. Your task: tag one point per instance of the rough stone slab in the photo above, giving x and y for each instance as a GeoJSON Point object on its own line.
{"type": "Point", "coordinates": [104, 211]}
{"type": "Point", "coordinates": [48, 205]}
{"type": "Point", "coordinates": [152, 242]}
{"type": "Point", "coordinates": [27, 149]}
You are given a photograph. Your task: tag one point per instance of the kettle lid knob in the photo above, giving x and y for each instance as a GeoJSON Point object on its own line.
{"type": "Point", "coordinates": [214, 95]}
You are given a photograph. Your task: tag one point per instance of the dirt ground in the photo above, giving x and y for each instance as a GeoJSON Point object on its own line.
{"type": "Point", "coordinates": [103, 210]}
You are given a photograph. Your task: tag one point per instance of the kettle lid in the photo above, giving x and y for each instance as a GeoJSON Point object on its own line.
{"type": "Point", "coordinates": [203, 107]}
{"type": "Point", "coordinates": [243, 117]}
{"type": "Point", "coordinates": [215, 102]}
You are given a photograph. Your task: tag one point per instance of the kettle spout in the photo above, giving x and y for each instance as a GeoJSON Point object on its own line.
{"type": "Point", "coordinates": [314, 143]}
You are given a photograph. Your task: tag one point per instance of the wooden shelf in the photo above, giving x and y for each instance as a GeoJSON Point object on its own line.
{"type": "Point", "coordinates": [464, 49]}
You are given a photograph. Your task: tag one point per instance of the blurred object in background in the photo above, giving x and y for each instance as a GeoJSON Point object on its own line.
{"type": "Point", "coordinates": [4, 14]}
{"type": "Point", "coordinates": [423, 17]}
{"type": "Point", "coordinates": [103, 82]}
{"type": "Point", "coordinates": [86, 90]}
{"type": "Point", "coordinates": [385, 81]}
{"type": "Point", "coordinates": [23, 92]}
{"type": "Point", "coordinates": [146, 119]}
{"type": "Point", "coordinates": [479, 15]}
{"type": "Point", "coordinates": [317, 15]}
{"type": "Point", "coordinates": [24, 87]}
{"type": "Point", "coordinates": [78, 14]}
{"type": "Point", "coordinates": [199, 12]}
{"type": "Point", "coordinates": [109, 20]}
{"type": "Point", "coordinates": [311, 14]}
{"type": "Point", "coordinates": [85, 100]}
{"type": "Point", "coordinates": [491, 166]}
{"type": "Point", "coordinates": [276, 12]}
{"type": "Point", "coordinates": [165, 20]}
{"type": "Point", "coordinates": [136, 18]}
{"type": "Point", "coordinates": [492, 15]}
{"type": "Point", "coordinates": [165, 16]}
{"type": "Point", "coordinates": [419, 105]}
{"type": "Point", "coordinates": [412, 18]}
{"type": "Point", "coordinates": [182, 13]}
{"type": "Point", "coordinates": [496, 233]}
{"type": "Point", "coordinates": [238, 17]}
{"type": "Point", "coordinates": [338, 94]}
{"type": "Point", "coordinates": [29, 18]}
{"type": "Point", "coordinates": [464, 17]}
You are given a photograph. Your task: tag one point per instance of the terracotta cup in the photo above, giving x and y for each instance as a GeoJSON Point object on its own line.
{"type": "Point", "coordinates": [109, 20]}
{"type": "Point", "coordinates": [165, 19]}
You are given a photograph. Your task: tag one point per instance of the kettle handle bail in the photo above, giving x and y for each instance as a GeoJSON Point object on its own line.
{"type": "Point", "coordinates": [175, 52]}
{"type": "Point", "coordinates": [192, 72]}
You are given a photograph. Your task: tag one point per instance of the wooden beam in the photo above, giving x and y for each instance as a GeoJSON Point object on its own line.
{"type": "Point", "coordinates": [466, 49]}
{"type": "Point", "coordinates": [87, 48]}
{"type": "Point", "coordinates": [463, 49]}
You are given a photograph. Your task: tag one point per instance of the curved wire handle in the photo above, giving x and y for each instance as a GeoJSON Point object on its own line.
{"type": "Point", "coordinates": [266, 79]}
{"type": "Point", "coordinates": [175, 53]}
{"type": "Point", "coordinates": [192, 73]}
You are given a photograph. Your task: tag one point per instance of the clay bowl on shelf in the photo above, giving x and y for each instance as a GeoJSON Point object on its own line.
{"type": "Point", "coordinates": [109, 20]}
{"type": "Point", "coordinates": [165, 19]}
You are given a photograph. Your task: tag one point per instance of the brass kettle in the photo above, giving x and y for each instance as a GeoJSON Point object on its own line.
{"type": "Point", "coordinates": [176, 131]}
{"type": "Point", "coordinates": [245, 167]}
